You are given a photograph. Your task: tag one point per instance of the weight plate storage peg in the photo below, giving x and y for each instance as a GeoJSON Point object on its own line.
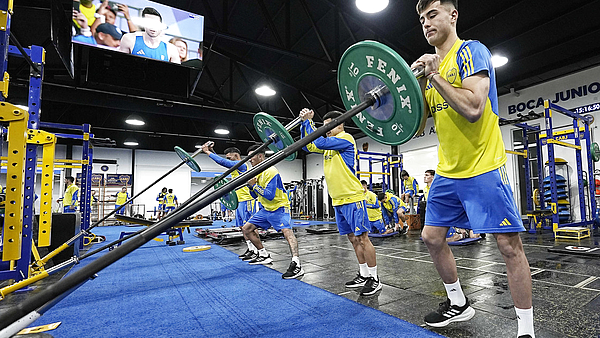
{"type": "Point", "coordinates": [398, 114]}
{"type": "Point", "coordinates": [189, 160]}
{"type": "Point", "coordinates": [267, 126]}
{"type": "Point", "coordinates": [230, 200]}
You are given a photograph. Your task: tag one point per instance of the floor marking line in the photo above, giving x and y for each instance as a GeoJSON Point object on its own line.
{"type": "Point", "coordinates": [586, 282]}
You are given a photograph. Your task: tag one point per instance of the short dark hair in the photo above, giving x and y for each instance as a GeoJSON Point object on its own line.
{"type": "Point", "coordinates": [112, 10]}
{"type": "Point", "coordinates": [430, 172]}
{"type": "Point", "coordinates": [363, 182]}
{"type": "Point", "coordinates": [164, 189]}
{"type": "Point", "coordinates": [381, 196]}
{"type": "Point", "coordinates": [404, 173]}
{"type": "Point", "coordinates": [151, 11]}
{"type": "Point", "coordinates": [332, 115]}
{"type": "Point", "coordinates": [170, 191]}
{"type": "Point", "coordinates": [254, 148]}
{"type": "Point", "coordinates": [70, 178]}
{"type": "Point", "coordinates": [233, 150]}
{"type": "Point", "coordinates": [422, 4]}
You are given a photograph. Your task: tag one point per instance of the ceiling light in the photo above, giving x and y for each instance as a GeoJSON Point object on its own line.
{"type": "Point", "coordinates": [372, 6]}
{"type": "Point", "coordinates": [135, 120]}
{"type": "Point", "coordinates": [265, 90]}
{"type": "Point", "coordinates": [130, 142]}
{"type": "Point", "coordinates": [222, 130]}
{"type": "Point", "coordinates": [269, 152]}
{"type": "Point", "coordinates": [499, 61]}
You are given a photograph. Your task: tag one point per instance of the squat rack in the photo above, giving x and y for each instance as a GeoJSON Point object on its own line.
{"type": "Point", "coordinates": [386, 164]}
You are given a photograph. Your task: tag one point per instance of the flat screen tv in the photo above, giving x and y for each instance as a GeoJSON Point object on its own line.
{"type": "Point", "coordinates": [140, 27]}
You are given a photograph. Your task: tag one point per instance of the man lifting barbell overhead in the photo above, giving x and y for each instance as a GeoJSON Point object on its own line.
{"type": "Point", "coordinates": [347, 194]}
{"type": "Point", "coordinates": [246, 203]}
{"type": "Point", "coordinates": [275, 212]}
{"type": "Point", "coordinates": [471, 189]}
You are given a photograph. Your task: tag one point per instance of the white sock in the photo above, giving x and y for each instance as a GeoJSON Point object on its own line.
{"type": "Point", "coordinates": [251, 246]}
{"type": "Point", "coordinates": [296, 259]}
{"type": "Point", "coordinates": [364, 270]}
{"type": "Point", "coordinates": [373, 272]}
{"type": "Point", "coordinates": [525, 321]}
{"type": "Point", "coordinates": [455, 293]}
{"type": "Point", "coordinates": [263, 252]}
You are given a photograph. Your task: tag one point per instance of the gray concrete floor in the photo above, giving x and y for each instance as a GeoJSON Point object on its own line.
{"type": "Point", "coordinates": [566, 288]}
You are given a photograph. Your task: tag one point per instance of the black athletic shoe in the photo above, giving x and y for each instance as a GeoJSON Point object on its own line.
{"type": "Point", "coordinates": [447, 314]}
{"type": "Point", "coordinates": [293, 271]}
{"type": "Point", "coordinates": [261, 260]}
{"type": "Point", "coordinates": [371, 286]}
{"type": "Point", "coordinates": [404, 230]}
{"type": "Point", "coordinates": [525, 336]}
{"type": "Point", "coordinates": [246, 253]}
{"type": "Point", "coordinates": [358, 282]}
{"type": "Point", "coordinates": [250, 256]}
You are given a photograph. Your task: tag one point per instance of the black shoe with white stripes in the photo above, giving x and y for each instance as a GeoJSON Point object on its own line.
{"type": "Point", "coordinates": [371, 286]}
{"type": "Point", "coordinates": [358, 282]}
{"type": "Point", "coordinates": [261, 260]}
{"type": "Point", "coordinates": [447, 314]}
{"type": "Point", "coordinates": [293, 271]}
{"type": "Point", "coordinates": [246, 253]}
{"type": "Point", "coordinates": [250, 256]}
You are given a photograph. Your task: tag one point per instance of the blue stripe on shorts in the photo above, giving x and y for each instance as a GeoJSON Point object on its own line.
{"type": "Point", "coordinates": [483, 203]}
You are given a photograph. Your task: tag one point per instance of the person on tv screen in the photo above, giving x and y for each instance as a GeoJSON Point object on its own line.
{"type": "Point", "coordinates": [182, 48]}
{"type": "Point", "coordinates": [148, 43]}
{"type": "Point", "coordinates": [106, 34]}
{"type": "Point", "coordinates": [107, 13]}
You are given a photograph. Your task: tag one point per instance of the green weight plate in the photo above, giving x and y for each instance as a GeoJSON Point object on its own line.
{"type": "Point", "coordinates": [368, 64]}
{"type": "Point", "coordinates": [185, 157]}
{"type": "Point", "coordinates": [266, 125]}
{"type": "Point", "coordinates": [595, 152]}
{"type": "Point", "coordinates": [230, 200]}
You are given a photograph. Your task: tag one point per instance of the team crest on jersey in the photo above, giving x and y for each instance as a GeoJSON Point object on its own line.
{"type": "Point", "coordinates": [451, 75]}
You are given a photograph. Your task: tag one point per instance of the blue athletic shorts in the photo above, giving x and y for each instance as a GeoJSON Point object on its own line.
{"type": "Point", "coordinates": [483, 203]}
{"type": "Point", "coordinates": [162, 207]}
{"type": "Point", "coordinates": [410, 192]}
{"type": "Point", "coordinates": [244, 211]}
{"type": "Point", "coordinates": [377, 226]}
{"type": "Point", "coordinates": [278, 219]}
{"type": "Point", "coordinates": [67, 210]}
{"type": "Point", "coordinates": [169, 209]}
{"type": "Point", "coordinates": [352, 218]}
{"type": "Point", "coordinates": [120, 212]}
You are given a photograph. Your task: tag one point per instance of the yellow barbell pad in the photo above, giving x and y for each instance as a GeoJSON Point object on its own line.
{"type": "Point", "coordinates": [196, 248]}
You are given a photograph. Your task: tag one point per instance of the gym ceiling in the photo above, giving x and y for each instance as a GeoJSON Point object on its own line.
{"type": "Point", "coordinates": [293, 45]}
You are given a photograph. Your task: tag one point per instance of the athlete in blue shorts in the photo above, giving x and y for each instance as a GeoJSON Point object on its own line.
{"type": "Point", "coordinates": [347, 195]}
{"type": "Point", "coordinates": [410, 184]}
{"type": "Point", "coordinates": [471, 188]}
{"type": "Point", "coordinates": [246, 201]}
{"type": "Point", "coordinates": [268, 187]}
{"type": "Point", "coordinates": [374, 211]}
{"type": "Point", "coordinates": [394, 210]}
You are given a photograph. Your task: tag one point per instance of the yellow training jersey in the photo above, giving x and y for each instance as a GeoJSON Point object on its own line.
{"type": "Point", "coordinates": [339, 164]}
{"type": "Point", "coordinates": [411, 184]}
{"type": "Point", "coordinates": [270, 190]}
{"type": "Point", "coordinates": [426, 191]}
{"type": "Point", "coordinates": [243, 194]}
{"type": "Point", "coordinates": [89, 14]}
{"type": "Point", "coordinates": [466, 149]}
{"type": "Point", "coordinates": [393, 202]}
{"type": "Point", "coordinates": [121, 198]}
{"type": "Point", "coordinates": [373, 207]}
{"type": "Point", "coordinates": [170, 200]}
{"type": "Point", "coordinates": [71, 195]}
{"type": "Point", "coordinates": [161, 198]}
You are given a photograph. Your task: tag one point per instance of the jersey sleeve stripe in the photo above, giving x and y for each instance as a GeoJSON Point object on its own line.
{"type": "Point", "coordinates": [470, 56]}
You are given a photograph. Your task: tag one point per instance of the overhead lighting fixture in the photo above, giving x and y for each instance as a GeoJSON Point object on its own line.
{"type": "Point", "coordinates": [135, 120]}
{"type": "Point", "coordinates": [222, 130]}
{"type": "Point", "coordinates": [198, 146]}
{"type": "Point", "coordinates": [269, 152]}
{"type": "Point", "coordinates": [372, 6]}
{"type": "Point", "coordinates": [265, 90]}
{"type": "Point", "coordinates": [499, 61]}
{"type": "Point", "coordinates": [130, 142]}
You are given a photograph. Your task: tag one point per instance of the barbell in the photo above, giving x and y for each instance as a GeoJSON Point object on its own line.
{"type": "Point", "coordinates": [397, 96]}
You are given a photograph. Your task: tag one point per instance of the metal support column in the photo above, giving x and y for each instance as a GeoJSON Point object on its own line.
{"type": "Point", "coordinates": [580, 185]}
{"type": "Point", "coordinates": [395, 181]}
{"type": "Point", "coordinates": [86, 179]}
{"type": "Point", "coordinates": [551, 166]}
{"type": "Point", "coordinates": [590, 165]}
